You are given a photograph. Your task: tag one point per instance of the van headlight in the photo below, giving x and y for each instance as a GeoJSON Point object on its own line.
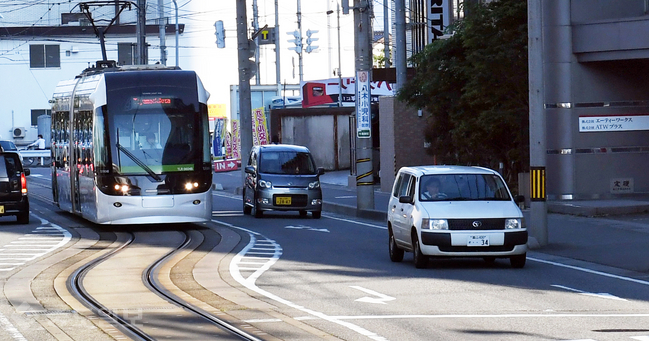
{"type": "Point", "coordinates": [434, 224]}
{"type": "Point", "coordinates": [265, 184]}
{"type": "Point", "coordinates": [314, 185]}
{"type": "Point", "coordinates": [514, 224]}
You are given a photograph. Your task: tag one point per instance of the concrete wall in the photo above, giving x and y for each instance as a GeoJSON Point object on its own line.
{"type": "Point", "coordinates": [325, 131]}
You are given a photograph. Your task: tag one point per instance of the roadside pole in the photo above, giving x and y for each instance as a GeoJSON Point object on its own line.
{"type": "Point", "coordinates": [245, 73]}
{"type": "Point", "coordinates": [538, 224]}
{"type": "Point", "coordinates": [364, 169]}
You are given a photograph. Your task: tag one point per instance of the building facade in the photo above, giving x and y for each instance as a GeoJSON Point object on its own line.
{"type": "Point", "coordinates": [595, 55]}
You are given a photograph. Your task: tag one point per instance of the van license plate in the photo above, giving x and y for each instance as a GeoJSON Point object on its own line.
{"type": "Point", "coordinates": [2, 209]}
{"type": "Point", "coordinates": [282, 200]}
{"type": "Point", "coordinates": [478, 240]}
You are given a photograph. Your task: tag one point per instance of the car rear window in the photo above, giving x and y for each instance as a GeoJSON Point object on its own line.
{"type": "Point", "coordinates": [465, 187]}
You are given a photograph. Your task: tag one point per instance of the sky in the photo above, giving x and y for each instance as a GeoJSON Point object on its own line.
{"type": "Point", "coordinates": [218, 67]}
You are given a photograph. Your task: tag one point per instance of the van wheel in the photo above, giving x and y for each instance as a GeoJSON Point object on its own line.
{"type": "Point", "coordinates": [23, 218]}
{"type": "Point", "coordinates": [396, 254]}
{"type": "Point", "coordinates": [316, 214]}
{"type": "Point", "coordinates": [420, 260]}
{"type": "Point", "coordinates": [518, 261]}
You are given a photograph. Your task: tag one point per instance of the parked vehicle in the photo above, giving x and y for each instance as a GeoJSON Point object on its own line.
{"type": "Point", "coordinates": [13, 186]}
{"type": "Point", "coordinates": [454, 211]}
{"type": "Point", "coordinates": [9, 146]}
{"type": "Point", "coordinates": [283, 178]}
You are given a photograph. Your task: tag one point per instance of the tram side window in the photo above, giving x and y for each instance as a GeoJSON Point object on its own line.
{"type": "Point", "coordinates": [100, 142]}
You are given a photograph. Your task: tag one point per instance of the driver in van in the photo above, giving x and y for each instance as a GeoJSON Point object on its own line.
{"type": "Point", "coordinates": [432, 190]}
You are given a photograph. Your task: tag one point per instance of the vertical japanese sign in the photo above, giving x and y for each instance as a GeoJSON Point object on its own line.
{"type": "Point", "coordinates": [363, 113]}
{"type": "Point", "coordinates": [236, 140]}
{"type": "Point", "coordinates": [259, 127]}
{"type": "Point", "coordinates": [218, 137]}
{"type": "Point", "coordinates": [228, 145]}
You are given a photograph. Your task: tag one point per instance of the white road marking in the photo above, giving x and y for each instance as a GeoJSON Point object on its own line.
{"type": "Point", "coordinates": [41, 241]}
{"type": "Point", "coordinates": [380, 299]}
{"type": "Point", "coordinates": [628, 279]}
{"type": "Point", "coordinates": [600, 295]}
{"type": "Point", "coordinates": [304, 227]}
{"type": "Point", "coordinates": [513, 316]}
{"type": "Point", "coordinates": [250, 284]}
{"type": "Point", "coordinates": [346, 197]}
{"type": "Point", "coordinates": [358, 222]}
{"type": "Point", "coordinates": [9, 328]}
{"type": "Point", "coordinates": [640, 338]}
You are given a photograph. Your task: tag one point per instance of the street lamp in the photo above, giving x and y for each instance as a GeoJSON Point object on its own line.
{"type": "Point", "coordinates": [340, 80]}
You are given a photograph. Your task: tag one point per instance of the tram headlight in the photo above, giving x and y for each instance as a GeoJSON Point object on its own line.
{"type": "Point", "coordinates": [122, 188]}
{"type": "Point", "coordinates": [191, 185]}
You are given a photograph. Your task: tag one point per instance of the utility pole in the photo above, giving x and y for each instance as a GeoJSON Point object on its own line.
{"type": "Point", "coordinates": [278, 75]}
{"type": "Point", "coordinates": [161, 24]}
{"type": "Point", "coordinates": [255, 26]}
{"type": "Point", "coordinates": [299, 29]}
{"type": "Point", "coordinates": [364, 167]}
{"type": "Point", "coordinates": [340, 77]}
{"type": "Point", "coordinates": [386, 34]}
{"type": "Point", "coordinates": [538, 224]}
{"type": "Point", "coordinates": [400, 43]}
{"type": "Point", "coordinates": [141, 53]}
{"type": "Point", "coordinates": [245, 112]}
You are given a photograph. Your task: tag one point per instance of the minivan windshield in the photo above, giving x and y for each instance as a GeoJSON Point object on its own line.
{"type": "Point", "coordinates": [286, 162]}
{"type": "Point", "coordinates": [459, 187]}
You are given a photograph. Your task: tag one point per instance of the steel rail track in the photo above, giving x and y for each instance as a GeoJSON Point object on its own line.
{"type": "Point", "coordinates": [150, 279]}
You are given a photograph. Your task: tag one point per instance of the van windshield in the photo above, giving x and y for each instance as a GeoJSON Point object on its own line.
{"type": "Point", "coordinates": [459, 187]}
{"type": "Point", "coordinates": [286, 162]}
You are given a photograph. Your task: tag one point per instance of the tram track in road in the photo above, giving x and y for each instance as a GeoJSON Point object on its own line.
{"type": "Point", "coordinates": [139, 328]}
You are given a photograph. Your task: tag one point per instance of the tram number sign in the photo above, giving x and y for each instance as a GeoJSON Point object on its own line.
{"type": "Point", "coordinates": [225, 165]}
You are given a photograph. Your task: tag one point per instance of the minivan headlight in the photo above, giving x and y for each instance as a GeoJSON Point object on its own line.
{"type": "Point", "coordinates": [314, 185]}
{"type": "Point", "coordinates": [265, 184]}
{"type": "Point", "coordinates": [513, 224]}
{"type": "Point", "coordinates": [434, 224]}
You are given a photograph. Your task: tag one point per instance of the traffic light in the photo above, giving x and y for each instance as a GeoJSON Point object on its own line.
{"type": "Point", "coordinates": [220, 34]}
{"type": "Point", "coordinates": [309, 40]}
{"type": "Point", "coordinates": [297, 41]}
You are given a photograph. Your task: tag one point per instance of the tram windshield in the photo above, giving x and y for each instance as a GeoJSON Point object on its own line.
{"type": "Point", "coordinates": [155, 134]}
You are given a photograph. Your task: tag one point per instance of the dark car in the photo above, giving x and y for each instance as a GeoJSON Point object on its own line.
{"type": "Point", "coordinates": [282, 178]}
{"type": "Point", "coordinates": [13, 187]}
{"type": "Point", "coordinates": [9, 146]}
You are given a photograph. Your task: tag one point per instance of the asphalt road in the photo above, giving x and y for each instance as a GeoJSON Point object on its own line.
{"type": "Point", "coordinates": [331, 278]}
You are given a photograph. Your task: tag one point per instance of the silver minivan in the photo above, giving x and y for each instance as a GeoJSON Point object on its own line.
{"type": "Point", "coordinates": [282, 178]}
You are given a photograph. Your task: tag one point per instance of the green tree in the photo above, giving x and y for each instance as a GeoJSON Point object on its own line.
{"type": "Point", "coordinates": [475, 86]}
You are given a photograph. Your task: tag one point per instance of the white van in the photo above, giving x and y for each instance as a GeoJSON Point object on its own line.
{"type": "Point", "coordinates": [455, 211]}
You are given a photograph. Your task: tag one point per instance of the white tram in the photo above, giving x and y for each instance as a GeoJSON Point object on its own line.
{"type": "Point", "coordinates": [130, 145]}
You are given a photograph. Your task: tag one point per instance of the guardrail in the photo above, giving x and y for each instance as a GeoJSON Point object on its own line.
{"type": "Point", "coordinates": [30, 156]}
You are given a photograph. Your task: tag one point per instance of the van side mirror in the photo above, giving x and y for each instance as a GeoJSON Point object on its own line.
{"type": "Point", "coordinates": [519, 199]}
{"type": "Point", "coordinates": [320, 171]}
{"type": "Point", "coordinates": [250, 170]}
{"type": "Point", "coordinates": [26, 171]}
{"type": "Point", "coordinates": [405, 199]}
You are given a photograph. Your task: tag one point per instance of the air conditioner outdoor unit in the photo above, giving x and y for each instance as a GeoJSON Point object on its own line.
{"type": "Point", "coordinates": [19, 131]}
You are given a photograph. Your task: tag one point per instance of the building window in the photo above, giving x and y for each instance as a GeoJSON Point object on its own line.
{"type": "Point", "coordinates": [44, 56]}
{"type": "Point", "coordinates": [39, 112]}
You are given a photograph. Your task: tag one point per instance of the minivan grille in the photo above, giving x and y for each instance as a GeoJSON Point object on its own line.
{"type": "Point", "coordinates": [480, 224]}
